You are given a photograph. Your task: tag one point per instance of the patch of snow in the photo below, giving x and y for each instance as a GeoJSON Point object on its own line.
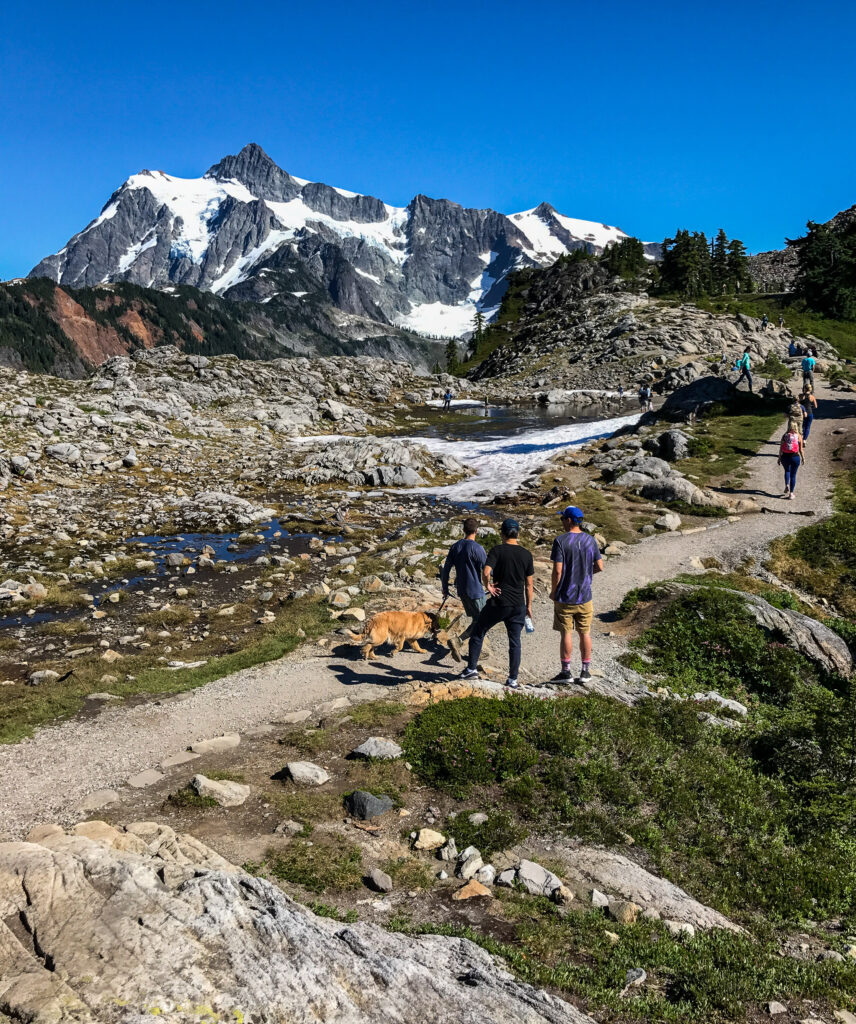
{"type": "Point", "coordinates": [386, 234]}
{"type": "Point", "coordinates": [240, 268]}
{"type": "Point", "coordinates": [599, 234]}
{"type": "Point", "coordinates": [344, 192]}
{"type": "Point", "coordinates": [440, 319]}
{"type": "Point", "coordinates": [195, 200]}
{"type": "Point", "coordinates": [134, 251]}
{"type": "Point", "coordinates": [371, 277]}
{"type": "Point", "coordinates": [501, 464]}
{"type": "Point", "coordinates": [469, 403]}
{"type": "Point", "coordinates": [300, 294]}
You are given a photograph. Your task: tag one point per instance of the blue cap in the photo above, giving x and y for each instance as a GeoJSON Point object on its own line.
{"type": "Point", "coordinates": [510, 526]}
{"type": "Point", "coordinates": [572, 512]}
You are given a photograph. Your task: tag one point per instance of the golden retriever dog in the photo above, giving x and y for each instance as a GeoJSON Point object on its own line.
{"type": "Point", "coordinates": [398, 629]}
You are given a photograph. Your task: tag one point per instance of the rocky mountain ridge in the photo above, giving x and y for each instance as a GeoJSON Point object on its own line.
{"type": "Point", "coordinates": [68, 332]}
{"type": "Point", "coordinates": [250, 231]}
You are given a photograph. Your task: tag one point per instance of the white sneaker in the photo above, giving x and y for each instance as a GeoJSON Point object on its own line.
{"type": "Point", "coordinates": [512, 684]}
{"type": "Point", "coordinates": [791, 496]}
{"type": "Point", "coordinates": [469, 673]}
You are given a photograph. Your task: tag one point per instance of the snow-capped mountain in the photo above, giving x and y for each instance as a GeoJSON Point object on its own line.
{"type": "Point", "coordinates": [250, 231]}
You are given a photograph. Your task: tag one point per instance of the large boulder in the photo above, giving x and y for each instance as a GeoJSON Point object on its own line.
{"type": "Point", "coordinates": [205, 934]}
{"type": "Point", "coordinates": [697, 396]}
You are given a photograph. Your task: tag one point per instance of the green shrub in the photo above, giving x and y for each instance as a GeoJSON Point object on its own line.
{"type": "Point", "coordinates": [732, 827]}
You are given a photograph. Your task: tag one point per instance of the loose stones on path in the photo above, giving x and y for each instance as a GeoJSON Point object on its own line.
{"type": "Point", "coordinates": [378, 747]}
{"type": "Point", "coordinates": [226, 794]}
{"type": "Point", "coordinates": [305, 773]}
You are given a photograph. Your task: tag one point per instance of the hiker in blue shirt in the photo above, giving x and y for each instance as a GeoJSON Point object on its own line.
{"type": "Point", "coordinates": [467, 558]}
{"type": "Point", "coordinates": [742, 365]}
{"type": "Point", "coordinates": [576, 558]}
{"type": "Point", "coordinates": [808, 365]}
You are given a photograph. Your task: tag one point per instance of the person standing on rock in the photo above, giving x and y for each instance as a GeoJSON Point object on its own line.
{"type": "Point", "coordinates": [781, 321]}
{"type": "Point", "coordinates": [447, 400]}
{"type": "Point", "coordinates": [764, 321]}
{"type": "Point", "coordinates": [808, 365]}
{"type": "Point", "coordinates": [744, 366]}
{"type": "Point", "coordinates": [645, 398]}
{"type": "Point", "coordinates": [791, 457]}
{"type": "Point", "coordinates": [509, 575]}
{"type": "Point", "coordinates": [576, 558]}
{"type": "Point", "coordinates": [467, 558]}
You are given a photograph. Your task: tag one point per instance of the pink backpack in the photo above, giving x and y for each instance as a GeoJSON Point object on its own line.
{"type": "Point", "coordinates": [790, 443]}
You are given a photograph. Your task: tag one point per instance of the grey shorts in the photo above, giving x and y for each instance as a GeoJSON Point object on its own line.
{"type": "Point", "coordinates": [474, 605]}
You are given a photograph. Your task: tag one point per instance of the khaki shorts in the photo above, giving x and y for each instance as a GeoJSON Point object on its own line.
{"type": "Point", "coordinates": [569, 617]}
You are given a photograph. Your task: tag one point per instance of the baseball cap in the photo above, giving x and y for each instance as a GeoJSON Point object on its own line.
{"type": "Point", "coordinates": [510, 526]}
{"type": "Point", "coordinates": [572, 512]}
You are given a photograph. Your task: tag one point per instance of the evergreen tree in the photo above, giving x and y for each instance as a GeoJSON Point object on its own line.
{"type": "Point", "coordinates": [719, 262]}
{"type": "Point", "coordinates": [826, 269]}
{"type": "Point", "coordinates": [738, 279]}
{"type": "Point", "coordinates": [478, 331]}
{"type": "Point", "coordinates": [625, 258]}
{"type": "Point", "coordinates": [453, 363]}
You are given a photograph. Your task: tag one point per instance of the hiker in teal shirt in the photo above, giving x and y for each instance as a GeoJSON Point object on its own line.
{"type": "Point", "coordinates": [742, 365]}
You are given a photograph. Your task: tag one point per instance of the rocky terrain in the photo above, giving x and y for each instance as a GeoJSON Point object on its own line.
{"type": "Point", "coordinates": [201, 930]}
{"type": "Point", "coordinates": [578, 327]}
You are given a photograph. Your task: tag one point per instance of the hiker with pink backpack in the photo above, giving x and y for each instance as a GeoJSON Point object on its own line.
{"type": "Point", "coordinates": [791, 456]}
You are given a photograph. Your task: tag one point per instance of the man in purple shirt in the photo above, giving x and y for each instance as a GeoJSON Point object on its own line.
{"type": "Point", "coordinates": [576, 558]}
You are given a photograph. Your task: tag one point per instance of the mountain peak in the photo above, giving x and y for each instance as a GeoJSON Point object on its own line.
{"type": "Point", "coordinates": [261, 175]}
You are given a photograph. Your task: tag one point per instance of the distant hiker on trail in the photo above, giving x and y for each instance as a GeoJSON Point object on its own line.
{"type": "Point", "coordinates": [808, 404]}
{"type": "Point", "coordinates": [743, 366]}
{"type": "Point", "coordinates": [447, 399]}
{"type": "Point", "coordinates": [796, 414]}
{"type": "Point", "coordinates": [808, 365]}
{"type": "Point", "coordinates": [646, 402]}
{"type": "Point", "coordinates": [791, 456]}
{"type": "Point", "coordinates": [576, 558]}
{"type": "Point", "coordinates": [792, 348]}
{"type": "Point", "coordinates": [781, 321]}
{"type": "Point", "coordinates": [621, 394]}
{"type": "Point", "coordinates": [764, 321]}
{"type": "Point", "coordinates": [467, 558]}
{"type": "Point", "coordinates": [509, 577]}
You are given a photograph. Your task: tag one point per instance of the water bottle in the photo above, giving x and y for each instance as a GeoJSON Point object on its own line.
{"type": "Point", "coordinates": [529, 624]}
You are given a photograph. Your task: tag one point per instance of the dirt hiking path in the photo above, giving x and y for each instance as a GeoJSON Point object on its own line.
{"type": "Point", "coordinates": [47, 777]}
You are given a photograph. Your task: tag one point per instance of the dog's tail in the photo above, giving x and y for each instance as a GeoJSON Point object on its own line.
{"type": "Point", "coordinates": [357, 638]}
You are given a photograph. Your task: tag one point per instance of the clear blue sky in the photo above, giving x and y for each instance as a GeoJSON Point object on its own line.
{"type": "Point", "coordinates": [649, 116]}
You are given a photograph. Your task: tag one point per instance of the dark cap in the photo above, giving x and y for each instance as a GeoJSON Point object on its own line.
{"type": "Point", "coordinates": [510, 528]}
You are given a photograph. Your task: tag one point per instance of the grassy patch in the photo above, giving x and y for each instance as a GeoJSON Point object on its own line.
{"type": "Point", "coordinates": [409, 873]}
{"type": "Point", "coordinates": [733, 433]}
{"type": "Point", "coordinates": [821, 558]}
{"type": "Point", "coordinates": [375, 712]}
{"type": "Point", "coordinates": [743, 819]}
{"type": "Point", "coordinates": [24, 708]}
{"type": "Point", "coordinates": [683, 508]}
{"type": "Point", "coordinates": [319, 865]}
{"type": "Point", "coordinates": [716, 977]}
{"type": "Point", "coordinates": [188, 797]}
{"type": "Point", "coordinates": [325, 910]}
{"type": "Point", "coordinates": [308, 807]}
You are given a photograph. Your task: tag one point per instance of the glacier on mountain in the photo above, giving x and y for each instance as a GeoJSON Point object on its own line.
{"type": "Point", "coordinates": [426, 267]}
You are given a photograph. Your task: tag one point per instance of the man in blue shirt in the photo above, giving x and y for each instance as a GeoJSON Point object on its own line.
{"type": "Point", "coordinates": [576, 558]}
{"type": "Point", "coordinates": [468, 559]}
{"type": "Point", "coordinates": [808, 365]}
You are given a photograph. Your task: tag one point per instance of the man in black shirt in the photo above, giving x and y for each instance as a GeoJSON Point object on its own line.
{"type": "Point", "coordinates": [509, 577]}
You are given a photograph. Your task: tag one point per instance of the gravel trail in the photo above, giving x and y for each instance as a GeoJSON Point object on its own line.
{"type": "Point", "coordinates": [45, 778]}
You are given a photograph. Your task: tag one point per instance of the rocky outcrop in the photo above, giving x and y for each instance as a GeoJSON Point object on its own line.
{"type": "Point", "coordinates": [573, 326]}
{"type": "Point", "coordinates": [374, 463]}
{"type": "Point", "coordinates": [104, 925]}
{"type": "Point", "coordinates": [810, 637]}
